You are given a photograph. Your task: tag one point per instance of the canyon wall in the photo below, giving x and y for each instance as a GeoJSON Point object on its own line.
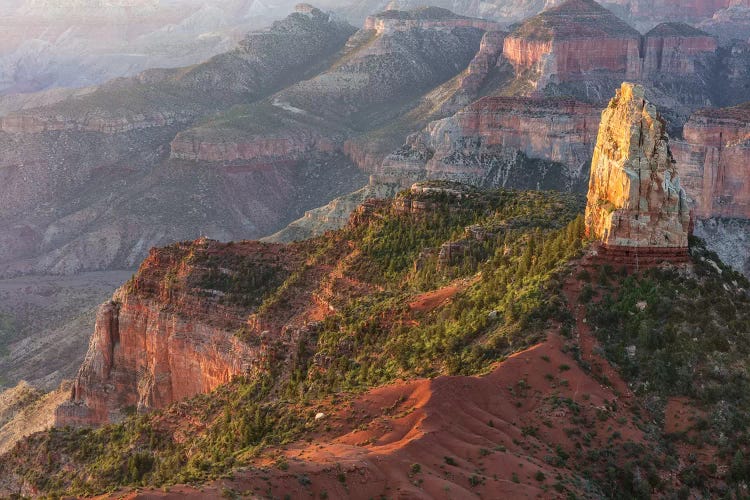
{"type": "Point", "coordinates": [714, 161]}
{"type": "Point", "coordinates": [192, 145]}
{"type": "Point", "coordinates": [477, 143]}
{"type": "Point", "coordinates": [141, 357]}
{"type": "Point", "coordinates": [635, 200]}
{"type": "Point", "coordinates": [673, 48]}
{"type": "Point", "coordinates": [171, 332]}
{"type": "Point", "coordinates": [105, 123]}
{"type": "Point", "coordinates": [580, 40]}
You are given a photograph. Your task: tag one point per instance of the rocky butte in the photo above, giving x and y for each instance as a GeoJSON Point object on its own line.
{"type": "Point", "coordinates": [572, 39]}
{"type": "Point", "coordinates": [635, 205]}
{"type": "Point", "coordinates": [581, 40]}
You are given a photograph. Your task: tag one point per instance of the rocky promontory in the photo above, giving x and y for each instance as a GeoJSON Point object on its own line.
{"type": "Point", "coordinates": [174, 330]}
{"type": "Point", "coordinates": [636, 206]}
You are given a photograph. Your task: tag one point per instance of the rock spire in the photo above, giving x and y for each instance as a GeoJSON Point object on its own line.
{"type": "Point", "coordinates": [635, 203]}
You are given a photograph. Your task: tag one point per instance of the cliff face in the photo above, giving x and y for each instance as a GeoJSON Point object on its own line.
{"type": "Point", "coordinates": [480, 143]}
{"type": "Point", "coordinates": [580, 40]}
{"type": "Point", "coordinates": [171, 332]}
{"type": "Point", "coordinates": [141, 357]}
{"type": "Point", "coordinates": [674, 48]}
{"type": "Point", "coordinates": [635, 199]}
{"type": "Point", "coordinates": [714, 161]}
{"type": "Point", "coordinates": [566, 42]}
{"type": "Point", "coordinates": [100, 158]}
{"type": "Point", "coordinates": [292, 144]}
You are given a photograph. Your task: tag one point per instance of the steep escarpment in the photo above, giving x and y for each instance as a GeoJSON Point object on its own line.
{"type": "Point", "coordinates": [522, 363]}
{"type": "Point", "coordinates": [172, 331]}
{"type": "Point", "coordinates": [568, 41]}
{"type": "Point", "coordinates": [712, 160]}
{"type": "Point", "coordinates": [635, 204]}
{"type": "Point", "coordinates": [582, 50]}
{"type": "Point", "coordinates": [674, 49]}
{"type": "Point", "coordinates": [194, 308]}
{"type": "Point", "coordinates": [486, 72]}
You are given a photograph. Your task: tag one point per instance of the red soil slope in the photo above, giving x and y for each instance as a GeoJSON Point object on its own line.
{"type": "Point", "coordinates": [492, 436]}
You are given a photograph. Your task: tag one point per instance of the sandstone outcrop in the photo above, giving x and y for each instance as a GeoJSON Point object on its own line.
{"type": "Point", "coordinates": [713, 160]}
{"type": "Point", "coordinates": [635, 203]}
{"type": "Point", "coordinates": [171, 332]}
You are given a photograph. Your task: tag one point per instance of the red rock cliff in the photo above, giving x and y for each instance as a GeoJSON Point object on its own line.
{"type": "Point", "coordinates": [578, 36]}
{"type": "Point", "coordinates": [714, 161]}
{"type": "Point", "coordinates": [166, 335]}
{"type": "Point", "coordinates": [579, 39]}
{"type": "Point", "coordinates": [673, 48]}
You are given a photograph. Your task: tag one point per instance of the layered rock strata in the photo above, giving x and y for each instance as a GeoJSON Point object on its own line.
{"type": "Point", "coordinates": [390, 21]}
{"type": "Point", "coordinates": [674, 48]}
{"type": "Point", "coordinates": [193, 146]}
{"type": "Point", "coordinates": [571, 40]}
{"type": "Point", "coordinates": [580, 40]}
{"type": "Point", "coordinates": [714, 161]}
{"type": "Point", "coordinates": [171, 332]}
{"type": "Point", "coordinates": [381, 75]}
{"type": "Point", "coordinates": [636, 206]}
{"type": "Point", "coordinates": [470, 145]}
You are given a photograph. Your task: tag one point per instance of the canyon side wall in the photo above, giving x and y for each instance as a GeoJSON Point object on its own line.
{"type": "Point", "coordinates": [714, 162]}
{"type": "Point", "coordinates": [170, 332]}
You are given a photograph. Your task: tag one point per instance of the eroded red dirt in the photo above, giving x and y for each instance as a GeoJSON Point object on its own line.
{"type": "Point", "coordinates": [519, 431]}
